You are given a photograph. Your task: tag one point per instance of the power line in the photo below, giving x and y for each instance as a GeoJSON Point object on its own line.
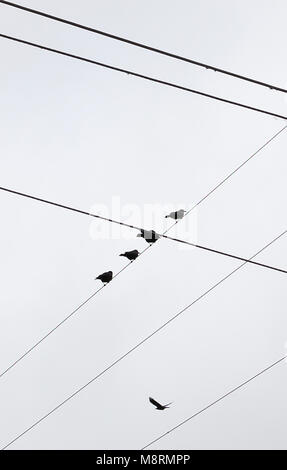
{"type": "Point", "coordinates": [143, 46]}
{"type": "Point", "coordinates": [178, 240]}
{"type": "Point", "coordinates": [224, 180]}
{"type": "Point", "coordinates": [236, 170]}
{"type": "Point", "coordinates": [216, 401]}
{"type": "Point", "coordinates": [148, 247]}
{"type": "Point", "coordinates": [231, 174]}
{"type": "Point", "coordinates": [41, 340]}
{"type": "Point", "coordinates": [145, 77]}
{"type": "Point", "coordinates": [58, 325]}
{"type": "Point", "coordinates": [198, 246]}
{"type": "Point", "coordinates": [139, 344]}
{"type": "Point", "coordinates": [224, 253]}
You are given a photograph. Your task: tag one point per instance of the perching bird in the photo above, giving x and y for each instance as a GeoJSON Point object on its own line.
{"type": "Point", "coordinates": [158, 405]}
{"type": "Point", "coordinates": [106, 277]}
{"type": "Point", "coordinates": [150, 236]}
{"type": "Point", "coordinates": [131, 255]}
{"type": "Point", "coordinates": [176, 215]}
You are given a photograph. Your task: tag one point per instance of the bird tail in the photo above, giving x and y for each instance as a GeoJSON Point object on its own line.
{"type": "Point", "coordinates": [167, 406]}
{"type": "Point", "coordinates": [122, 254]}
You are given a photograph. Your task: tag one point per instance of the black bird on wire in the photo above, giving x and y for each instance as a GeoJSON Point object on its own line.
{"type": "Point", "coordinates": [176, 215]}
{"type": "Point", "coordinates": [105, 277]}
{"type": "Point", "coordinates": [131, 255]}
{"type": "Point", "coordinates": [150, 236]}
{"type": "Point", "coordinates": [158, 405]}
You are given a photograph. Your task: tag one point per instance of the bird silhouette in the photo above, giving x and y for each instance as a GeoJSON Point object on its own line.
{"type": "Point", "coordinates": [158, 405]}
{"type": "Point", "coordinates": [106, 277]}
{"type": "Point", "coordinates": [150, 236]}
{"type": "Point", "coordinates": [131, 255]}
{"type": "Point", "coordinates": [176, 215]}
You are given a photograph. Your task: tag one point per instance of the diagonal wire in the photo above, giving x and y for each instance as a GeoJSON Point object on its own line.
{"type": "Point", "coordinates": [124, 224]}
{"type": "Point", "coordinates": [147, 248]}
{"type": "Point", "coordinates": [142, 76]}
{"type": "Point", "coordinates": [236, 170]}
{"type": "Point", "coordinates": [137, 345]}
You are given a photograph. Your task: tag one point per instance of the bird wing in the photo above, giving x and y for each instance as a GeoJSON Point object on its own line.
{"type": "Point", "coordinates": [155, 403]}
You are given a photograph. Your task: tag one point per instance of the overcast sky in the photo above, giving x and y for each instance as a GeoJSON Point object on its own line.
{"type": "Point", "coordinates": [84, 136]}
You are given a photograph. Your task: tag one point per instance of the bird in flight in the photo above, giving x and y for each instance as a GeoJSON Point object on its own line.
{"type": "Point", "coordinates": [150, 236]}
{"type": "Point", "coordinates": [176, 215]}
{"type": "Point", "coordinates": [131, 255]}
{"type": "Point", "coordinates": [106, 277]}
{"type": "Point", "coordinates": [158, 405]}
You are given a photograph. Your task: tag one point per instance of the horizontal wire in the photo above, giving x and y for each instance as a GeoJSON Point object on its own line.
{"type": "Point", "coordinates": [143, 46]}
{"type": "Point", "coordinates": [228, 176]}
{"type": "Point", "coordinates": [216, 401]}
{"type": "Point", "coordinates": [178, 240]}
{"type": "Point", "coordinates": [236, 169]}
{"type": "Point", "coordinates": [139, 344]}
{"type": "Point", "coordinates": [145, 77]}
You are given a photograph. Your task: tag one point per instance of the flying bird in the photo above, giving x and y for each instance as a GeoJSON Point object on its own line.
{"type": "Point", "coordinates": [176, 215]}
{"type": "Point", "coordinates": [106, 277]}
{"type": "Point", "coordinates": [158, 405]}
{"type": "Point", "coordinates": [150, 236]}
{"type": "Point", "coordinates": [131, 255]}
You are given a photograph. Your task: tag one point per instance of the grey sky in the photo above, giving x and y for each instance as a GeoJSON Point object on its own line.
{"type": "Point", "coordinates": [80, 135]}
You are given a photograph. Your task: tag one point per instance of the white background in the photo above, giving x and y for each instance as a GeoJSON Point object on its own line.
{"type": "Point", "coordinates": [79, 135]}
